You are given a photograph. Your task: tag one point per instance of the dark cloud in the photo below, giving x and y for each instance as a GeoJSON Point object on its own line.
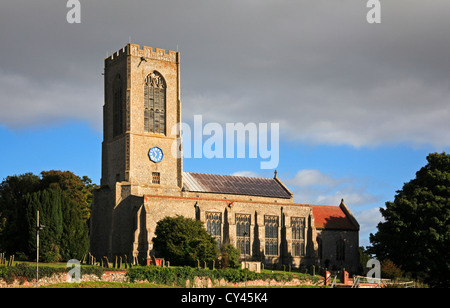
{"type": "Point", "coordinates": [317, 67]}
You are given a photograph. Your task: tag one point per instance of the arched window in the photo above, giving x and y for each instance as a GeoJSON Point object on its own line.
{"type": "Point", "coordinates": [271, 224]}
{"type": "Point", "coordinates": [155, 104]}
{"type": "Point", "coordinates": [298, 236]}
{"type": "Point", "coordinates": [118, 107]}
{"type": "Point", "coordinates": [340, 250]}
{"type": "Point", "coordinates": [243, 233]}
{"type": "Point", "coordinates": [214, 226]}
{"type": "Point", "coordinates": [319, 247]}
{"type": "Point", "coordinates": [298, 249]}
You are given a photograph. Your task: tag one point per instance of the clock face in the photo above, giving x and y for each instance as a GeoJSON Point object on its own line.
{"type": "Point", "coordinates": [155, 154]}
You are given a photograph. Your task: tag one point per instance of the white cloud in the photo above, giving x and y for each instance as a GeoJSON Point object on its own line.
{"type": "Point", "coordinates": [250, 174]}
{"type": "Point", "coordinates": [316, 187]}
{"type": "Point", "coordinates": [352, 195]}
{"type": "Point", "coordinates": [313, 177]}
{"type": "Point", "coordinates": [26, 102]}
{"type": "Point", "coordinates": [369, 219]}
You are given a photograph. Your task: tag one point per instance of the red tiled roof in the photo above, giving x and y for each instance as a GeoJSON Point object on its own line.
{"type": "Point", "coordinates": [332, 217]}
{"type": "Point", "coordinates": [236, 185]}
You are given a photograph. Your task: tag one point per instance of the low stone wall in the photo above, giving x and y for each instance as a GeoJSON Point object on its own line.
{"type": "Point", "coordinates": [207, 283]}
{"type": "Point", "coordinates": [113, 276]}
{"type": "Point", "coordinates": [120, 276]}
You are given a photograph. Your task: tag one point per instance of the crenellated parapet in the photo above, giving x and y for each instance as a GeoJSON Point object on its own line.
{"type": "Point", "coordinates": [144, 51]}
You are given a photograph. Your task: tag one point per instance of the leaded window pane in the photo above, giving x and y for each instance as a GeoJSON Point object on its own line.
{"type": "Point", "coordinates": [271, 224]}
{"type": "Point", "coordinates": [243, 222]}
{"type": "Point", "coordinates": [298, 236]}
{"type": "Point", "coordinates": [214, 226]}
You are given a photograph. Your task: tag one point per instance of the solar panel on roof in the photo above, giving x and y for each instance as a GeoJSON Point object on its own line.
{"type": "Point", "coordinates": [237, 185]}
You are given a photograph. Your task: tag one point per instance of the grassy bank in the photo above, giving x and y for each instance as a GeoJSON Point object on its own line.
{"type": "Point", "coordinates": [106, 284]}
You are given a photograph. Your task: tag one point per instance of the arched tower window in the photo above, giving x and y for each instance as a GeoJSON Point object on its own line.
{"type": "Point", "coordinates": [155, 104]}
{"type": "Point", "coordinates": [118, 107]}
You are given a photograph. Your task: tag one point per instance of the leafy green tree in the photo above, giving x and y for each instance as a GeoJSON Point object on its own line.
{"type": "Point", "coordinates": [78, 189]}
{"type": "Point", "coordinates": [230, 256]}
{"type": "Point", "coordinates": [75, 237]}
{"type": "Point", "coordinates": [416, 232]}
{"type": "Point", "coordinates": [62, 197]}
{"type": "Point", "coordinates": [2, 224]}
{"type": "Point", "coordinates": [183, 241]}
{"type": "Point", "coordinates": [49, 204]}
{"type": "Point", "coordinates": [76, 207]}
{"type": "Point", "coordinates": [364, 257]}
{"type": "Point", "coordinates": [14, 231]}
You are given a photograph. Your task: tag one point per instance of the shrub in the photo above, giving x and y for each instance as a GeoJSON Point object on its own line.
{"type": "Point", "coordinates": [230, 256]}
{"type": "Point", "coordinates": [179, 275]}
{"type": "Point", "coordinates": [390, 270]}
{"type": "Point", "coordinates": [183, 241]}
{"type": "Point", "coordinates": [23, 271]}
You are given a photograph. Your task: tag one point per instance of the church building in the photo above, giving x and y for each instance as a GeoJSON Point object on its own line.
{"type": "Point", "coordinates": [142, 182]}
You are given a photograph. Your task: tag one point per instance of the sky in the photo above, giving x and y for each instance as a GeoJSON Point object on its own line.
{"type": "Point", "coordinates": [359, 105]}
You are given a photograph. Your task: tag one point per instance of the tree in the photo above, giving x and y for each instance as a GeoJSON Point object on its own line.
{"type": "Point", "coordinates": [77, 200]}
{"type": "Point", "coordinates": [183, 241]}
{"type": "Point", "coordinates": [75, 237]}
{"type": "Point", "coordinates": [49, 204]}
{"type": "Point", "coordinates": [416, 232]}
{"type": "Point", "coordinates": [62, 197]}
{"type": "Point", "coordinates": [14, 232]}
{"type": "Point", "coordinates": [78, 189]}
{"type": "Point", "coordinates": [230, 256]}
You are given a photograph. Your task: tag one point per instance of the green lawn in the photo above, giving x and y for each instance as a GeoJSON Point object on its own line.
{"type": "Point", "coordinates": [105, 284]}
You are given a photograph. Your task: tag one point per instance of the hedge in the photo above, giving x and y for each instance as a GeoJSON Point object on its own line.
{"type": "Point", "coordinates": [154, 274]}
{"type": "Point", "coordinates": [179, 275]}
{"type": "Point", "coordinates": [23, 271]}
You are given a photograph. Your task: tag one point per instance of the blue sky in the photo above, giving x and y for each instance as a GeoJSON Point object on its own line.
{"type": "Point", "coordinates": [359, 105]}
{"type": "Point", "coordinates": [366, 177]}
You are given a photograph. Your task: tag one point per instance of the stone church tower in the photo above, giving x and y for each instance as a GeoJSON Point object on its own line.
{"type": "Point", "coordinates": [142, 106]}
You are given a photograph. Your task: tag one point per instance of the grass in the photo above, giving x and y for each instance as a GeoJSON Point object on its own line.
{"type": "Point", "coordinates": [33, 264]}
{"type": "Point", "coordinates": [55, 264]}
{"type": "Point", "coordinates": [106, 284]}
{"type": "Point", "coordinates": [296, 274]}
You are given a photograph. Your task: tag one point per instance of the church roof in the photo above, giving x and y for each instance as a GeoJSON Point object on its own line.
{"type": "Point", "coordinates": [236, 185]}
{"type": "Point", "coordinates": [333, 217]}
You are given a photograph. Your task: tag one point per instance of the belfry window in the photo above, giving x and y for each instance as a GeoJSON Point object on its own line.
{"type": "Point", "coordinates": [271, 224]}
{"type": "Point", "coordinates": [155, 104]}
{"type": "Point", "coordinates": [156, 178]}
{"type": "Point", "coordinates": [118, 107]}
